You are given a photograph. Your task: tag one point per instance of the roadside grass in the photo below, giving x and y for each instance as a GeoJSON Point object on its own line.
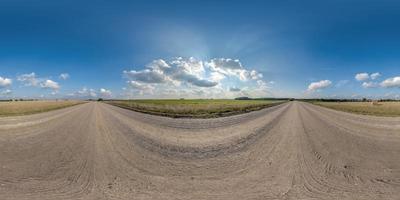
{"type": "Point", "coordinates": [388, 109]}
{"type": "Point", "coordinates": [194, 108]}
{"type": "Point", "coordinates": [15, 108]}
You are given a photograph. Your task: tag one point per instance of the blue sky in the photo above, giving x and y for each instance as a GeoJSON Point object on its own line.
{"type": "Point", "coordinates": [199, 49]}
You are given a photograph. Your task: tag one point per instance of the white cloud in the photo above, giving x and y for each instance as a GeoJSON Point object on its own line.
{"type": "Point", "coordinates": [216, 76]}
{"type": "Point", "coordinates": [32, 80]}
{"type": "Point", "coordinates": [178, 70]}
{"type": "Point", "coordinates": [375, 75]}
{"type": "Point", "coordinates": [318, 85]}
{"type": "Point", "coordinates": [4, 82]}
{"type": "Point", "coordinates": [6, 92]}
{"type": "Point", "coordinates": [146, 76]}
{"type": "Point", "coordinates": [84, 93]}
{"type": "Point", "coordinates": [362, 76]}
{"type": "Point", "coordinates": [190, 77]}
{"type": "Point", "coordinates": [391, 82]}
{"type": "Point", "coordinates": [142, 88]}
{"type": "Point", "coordinates": [105, 93]}
{"type": "Point", "coordinates": [64, 76]}
{"type": "Point", "coordinates": [49, 84]}
{"type": "Point", "coordinates": [231, 67]}
{"type": "Point", "coordinates": [370, 84]}
{"type": "Point", "coordinates": [29, 79]}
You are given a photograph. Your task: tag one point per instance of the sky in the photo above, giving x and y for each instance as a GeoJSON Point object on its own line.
{"type": "Point", "coordinates": [199, 49]}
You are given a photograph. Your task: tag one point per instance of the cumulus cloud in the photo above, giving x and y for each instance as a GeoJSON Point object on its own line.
{"type": "Point", "coordinates": [142, 88]}
{"type": "Point", "coordinates": [391, 82]}
{"type": "Point", "coordinates": [4, 82]}
{"type": "Point", "coordinates": [32, 80]}
{"type": "Point", "coordinates": [105, 93]}
{"type": "Point", "coordinates": [49, 84]}
{"type": "Point", "coordinates": [370, 84]}
{"type": "Point", "coordinates": [230, 67]}
{"type": "Point", "coordinates": [84, 93]}
{"type": "Point", "coordinates": [179, 70]}
{"type": "Point", "coordinates": [362, 76]}
{"type": "Point", "coordinates": [29, 79]}
{"type": "Point", "coordinates": [375, 75]}
{"type": "Point", "coordinates": [365, 76]}
{"type": "Point", "coordinates": [64, 76]}
{"type": "Point", "coordinates": [146, 76]}
{"type": "Point", "coordinates": [190, 76]}
{"type": "Point", "coordinates": [318, 85]}
{"type": "Point", "coordinates": [6, 92]}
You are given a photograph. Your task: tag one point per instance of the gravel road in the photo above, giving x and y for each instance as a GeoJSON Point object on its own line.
{"type": "Point", "coordinates": [291, 151]}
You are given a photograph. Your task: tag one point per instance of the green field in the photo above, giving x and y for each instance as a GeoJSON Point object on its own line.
{"type": "Point", "coordinates": [194, 108]}
{"type": "Point", "coordinates": [13, 108]}
{"type": "Point", "coordinates": [389, 109]}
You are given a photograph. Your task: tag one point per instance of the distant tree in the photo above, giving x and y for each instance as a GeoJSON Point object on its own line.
{"type": "Point", "coordinates": [100, 99]}
{"type": "Point", "coordinates": [242, 98]}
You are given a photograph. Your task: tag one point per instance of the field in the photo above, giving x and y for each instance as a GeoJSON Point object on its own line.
{"type": "Point", "coordinates": [13, 108]}
{"type": "Point", "coordinates": [389, 109]}
{"type": "Point", "coordinates": [195, 108]}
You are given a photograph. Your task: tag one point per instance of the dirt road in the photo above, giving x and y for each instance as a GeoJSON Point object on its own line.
{"type": "Point", "coordinates": [291, 151]}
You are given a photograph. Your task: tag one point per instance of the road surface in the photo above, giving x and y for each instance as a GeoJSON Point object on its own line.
{"type": "Point", "coordinates": [291, 151]}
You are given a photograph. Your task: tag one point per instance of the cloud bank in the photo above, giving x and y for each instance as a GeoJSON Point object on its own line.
{"type": "Point", "coordinates": [191, 77]}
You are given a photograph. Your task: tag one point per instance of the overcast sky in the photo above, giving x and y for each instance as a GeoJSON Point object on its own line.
{"type": "Point", "coordinates": [199, 49]}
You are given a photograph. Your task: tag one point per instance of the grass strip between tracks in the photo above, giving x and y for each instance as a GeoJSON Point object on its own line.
{"type": "Point", "coordinates": [194, 108]}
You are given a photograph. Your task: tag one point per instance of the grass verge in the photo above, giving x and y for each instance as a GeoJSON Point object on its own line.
{"type": "Point", "coordinates": [15, 108]}
{"type": "Point", "coordinates": [194, 108]}
{"type": "Point", "coordinates": [387, 109]}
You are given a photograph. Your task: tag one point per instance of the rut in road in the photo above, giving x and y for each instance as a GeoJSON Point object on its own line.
{"type": "Point", "coordinates": [291, 151]}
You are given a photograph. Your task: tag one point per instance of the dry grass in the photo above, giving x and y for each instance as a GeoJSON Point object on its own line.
{"type": "Point", "coordinates": [194, 108]}
{"type": "Point", "coordinates": [13, 108]}
{"type": "Point", "coordinates": [390, 109]}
